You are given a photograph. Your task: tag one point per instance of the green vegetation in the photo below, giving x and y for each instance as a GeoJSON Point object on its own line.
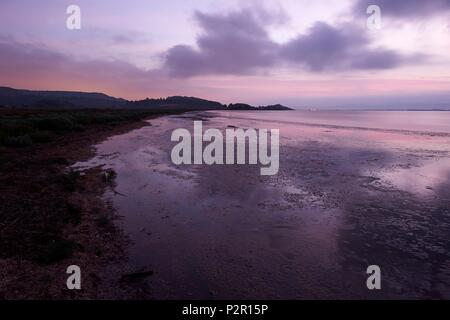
{"type": "Point", "coordinates": [22, 128]}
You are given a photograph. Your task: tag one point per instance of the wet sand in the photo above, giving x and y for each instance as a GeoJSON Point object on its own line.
{"type": "Point", "coordinates": [344, 198]}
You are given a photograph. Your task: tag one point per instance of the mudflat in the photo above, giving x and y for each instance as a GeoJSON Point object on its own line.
{"type": "Point", "coordinates": [347, 196]}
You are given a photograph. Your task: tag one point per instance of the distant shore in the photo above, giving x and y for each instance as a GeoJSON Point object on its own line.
{"type": "Point", "coordinates": [34, 99]}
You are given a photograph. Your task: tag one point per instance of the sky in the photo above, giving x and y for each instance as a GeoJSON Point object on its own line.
{"type": "Point", "coordinates": [301, 53]}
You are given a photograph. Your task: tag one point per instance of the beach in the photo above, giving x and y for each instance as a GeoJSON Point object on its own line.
{"type": "Point", "coordinates": [349, 193]}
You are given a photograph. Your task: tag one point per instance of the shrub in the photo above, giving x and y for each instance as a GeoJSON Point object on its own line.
{"type": "Point", "coordinates": [18, 142]}
{"type": "Point", "coordinates": [70, 180]}
{"type": "Point", "coordinates": [54, 250]}
{"type": "Point", "coordinates": [54, 123]}
{"type": "Point", "coordinates": [41, 136]}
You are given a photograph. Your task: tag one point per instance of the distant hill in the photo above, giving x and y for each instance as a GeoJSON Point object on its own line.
{"type": "Point", "coordinates": [240, 106]}
{"type": "Point", "coordinates": [274, 107]}
{"type": "Point", "coordinates": [10, 97]}
{"type": "Point", "coordinates": [178, 102]}
{"type": "Point", "coordinates": [244, 106]}
{"type": "Point", "coordinates": [19, 98]}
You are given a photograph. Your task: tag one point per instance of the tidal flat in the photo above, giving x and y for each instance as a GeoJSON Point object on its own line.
{"type": "Point", "coordinates": [350, 193]}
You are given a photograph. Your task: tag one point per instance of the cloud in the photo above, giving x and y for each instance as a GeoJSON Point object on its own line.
{"type": "Point", "coordinates": [347, 46]}
{"type": "Point", "coordinates": [30, 65]}
{"type": "Point", "coordinates": [238, 43]}
{"type": "Point", "coordinates": [36, 67]}
{"type": "Point", "coordinates": [405, 8]}
{"type": "Point", "coordinates": [122, 39]}
{"type": "Point", "coordinates": [234, 43]}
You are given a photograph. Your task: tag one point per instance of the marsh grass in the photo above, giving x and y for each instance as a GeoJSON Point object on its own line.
{"type": "Point", "coordinates": [23, 128]}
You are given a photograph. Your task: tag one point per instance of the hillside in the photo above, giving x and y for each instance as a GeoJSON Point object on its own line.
{"type": "Point", "coordinates": [19, 98]}
{"type": "Point", "coordinates": [10, 97]}
{"type": "Point", "coordinates": [178, 102]}
{"type": "Point", "coordinates": [244, 106]}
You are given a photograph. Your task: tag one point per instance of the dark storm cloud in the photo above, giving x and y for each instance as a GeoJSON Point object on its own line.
{"type": "Point", "coordinates": [405, 8]}
{"type": "Point", "coordinates": [238, 43]}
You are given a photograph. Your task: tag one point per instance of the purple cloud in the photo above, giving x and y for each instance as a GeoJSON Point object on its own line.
{"type": "Point", "coordinates": [122, 39]}
{"type": "Point", "coordinates": [405, 8]}
{"type": "Point", "coordinates": [323, 47]}
{"type": "Point", "coordinates": [336, 48]}
{"type": "Point", "coordinates": [238, 43]}
{"type": "Point", "coordinates": [234, 43]}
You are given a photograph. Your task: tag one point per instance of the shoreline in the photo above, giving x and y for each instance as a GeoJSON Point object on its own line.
{"type": "Point", "coordinates": [340, 202]}
{"type": "Point", "coordinates": [37, 180]}
{"type": "Point", "coordinates": [147, 229]}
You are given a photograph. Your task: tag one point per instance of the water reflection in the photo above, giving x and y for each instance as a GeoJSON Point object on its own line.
{"type": "Point", "coordinates": [343, 199]}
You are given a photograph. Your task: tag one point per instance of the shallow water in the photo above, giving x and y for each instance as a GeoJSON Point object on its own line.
{"type": "Point", "coordinates": [422, 121]}
{"type": "Point", "coordinates": [344, 199]}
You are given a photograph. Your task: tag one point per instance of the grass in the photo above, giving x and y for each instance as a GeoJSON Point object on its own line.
{"type": "Point", "coordinates": [23, 128]}
{"type": "Point", "coordinates": [48, 250]}
{"type": "Point", "coordinates": [69, 181]}
{"type": "Point", "coordinates": [18, 141]}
